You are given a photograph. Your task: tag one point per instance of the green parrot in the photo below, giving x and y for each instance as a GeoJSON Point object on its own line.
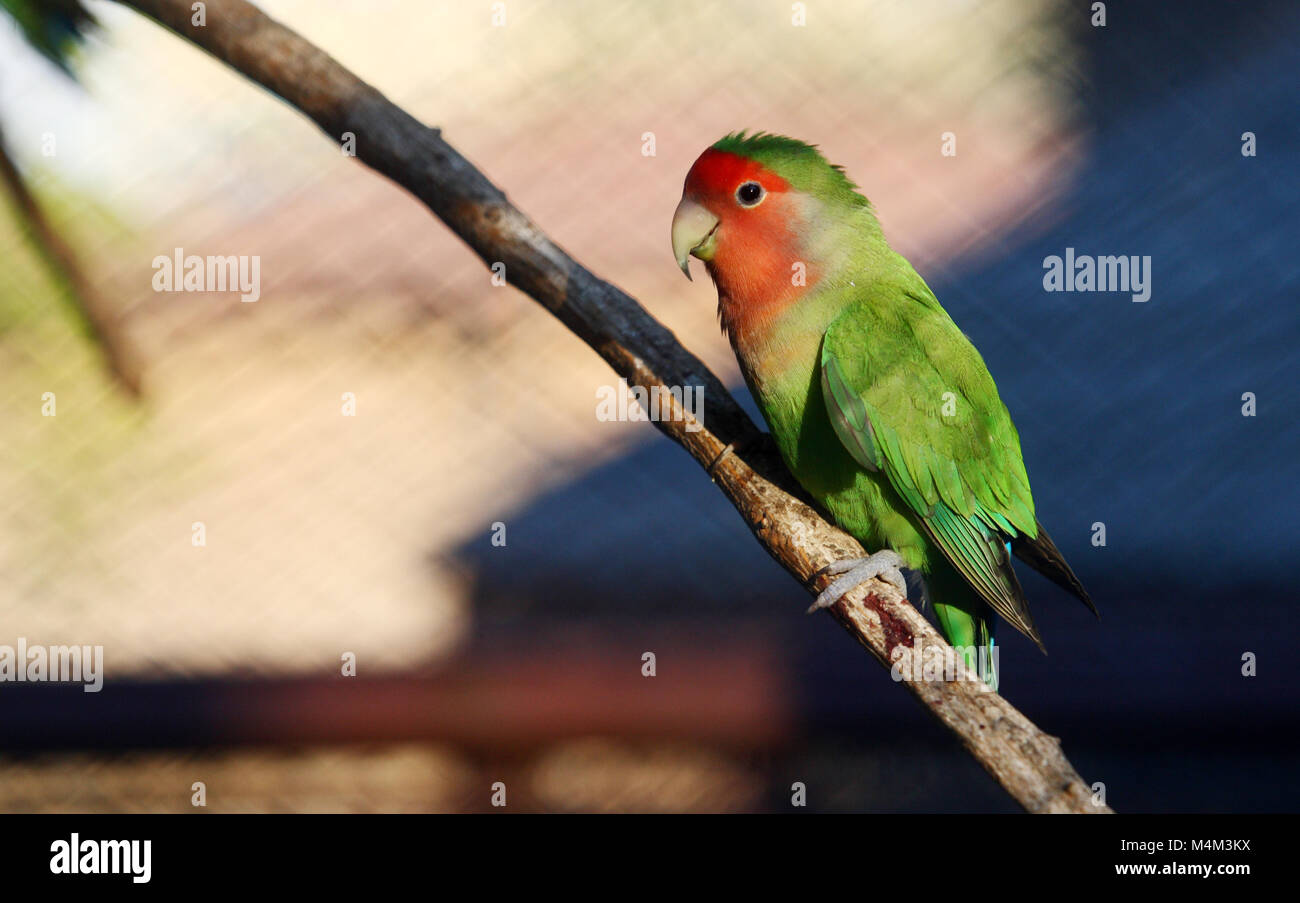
{"type": "Point", "coordinates": [880, 406]}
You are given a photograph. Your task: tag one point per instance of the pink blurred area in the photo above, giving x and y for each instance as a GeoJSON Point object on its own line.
{"type": "Point", "coordinates": [327, 533]}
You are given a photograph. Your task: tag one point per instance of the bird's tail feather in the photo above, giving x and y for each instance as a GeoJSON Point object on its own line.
{"type": "Point", "coordinates": [1042, 555]}
{"type": "Point", "coordinates": [968, 624]}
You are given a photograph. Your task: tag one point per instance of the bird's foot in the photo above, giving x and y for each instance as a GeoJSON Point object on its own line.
{"type": "Point", "coordinates": [884, 564]}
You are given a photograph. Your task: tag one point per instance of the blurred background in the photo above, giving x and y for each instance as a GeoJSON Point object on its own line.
{"type": "Point", "coordinates": [371, 535]}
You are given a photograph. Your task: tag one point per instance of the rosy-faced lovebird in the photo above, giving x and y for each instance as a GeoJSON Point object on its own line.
{"type": "Point", "coordinates": [880, 406]}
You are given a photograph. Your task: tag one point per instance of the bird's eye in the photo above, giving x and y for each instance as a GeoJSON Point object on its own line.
{"type": "Point", "coordinates": [749, 194]}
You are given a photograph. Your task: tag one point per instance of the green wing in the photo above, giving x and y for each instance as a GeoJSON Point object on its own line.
{"type": "Point", "coordinates": [910, 396]}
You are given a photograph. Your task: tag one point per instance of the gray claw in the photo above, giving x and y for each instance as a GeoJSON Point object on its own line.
{"type": "Point", "coordinates": [884, 564]}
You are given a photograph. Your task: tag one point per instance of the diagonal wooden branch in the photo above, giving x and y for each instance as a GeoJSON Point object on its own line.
{"type": "Point", "coordinates": [96, 316]}
{"type": "Point", "coordinates": [1026, 761]}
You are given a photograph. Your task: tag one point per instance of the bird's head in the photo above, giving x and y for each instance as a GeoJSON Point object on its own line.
{"type": "Point", "coordinates": [760, 211]}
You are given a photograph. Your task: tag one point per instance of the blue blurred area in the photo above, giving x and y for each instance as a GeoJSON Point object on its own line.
{"type": "Point", "coordinates": [1130, 415]}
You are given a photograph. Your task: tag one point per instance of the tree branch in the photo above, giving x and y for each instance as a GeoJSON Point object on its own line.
{"type": "Point", "coordinates": [96, 317]}
{"type": "Point", "coordinates": [1024, 760]}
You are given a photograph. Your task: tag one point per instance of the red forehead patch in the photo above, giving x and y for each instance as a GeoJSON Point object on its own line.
{"type": "Point", "coordinates": [720, 172]}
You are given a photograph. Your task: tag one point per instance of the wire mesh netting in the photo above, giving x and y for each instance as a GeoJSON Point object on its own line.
{"type": "Point", "coordinates": [317, 472]}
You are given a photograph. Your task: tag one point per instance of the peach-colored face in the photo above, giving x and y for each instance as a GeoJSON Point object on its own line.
{"type": "Point", "coordinates": [753, 249]}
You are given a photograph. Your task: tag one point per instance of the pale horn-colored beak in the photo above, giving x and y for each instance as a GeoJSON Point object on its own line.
{"type": "Point", "coordinates": [693, 228]}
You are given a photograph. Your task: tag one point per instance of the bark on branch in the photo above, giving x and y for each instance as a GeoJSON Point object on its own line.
{"type": "Point", "coordinates": [1023, 759]}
